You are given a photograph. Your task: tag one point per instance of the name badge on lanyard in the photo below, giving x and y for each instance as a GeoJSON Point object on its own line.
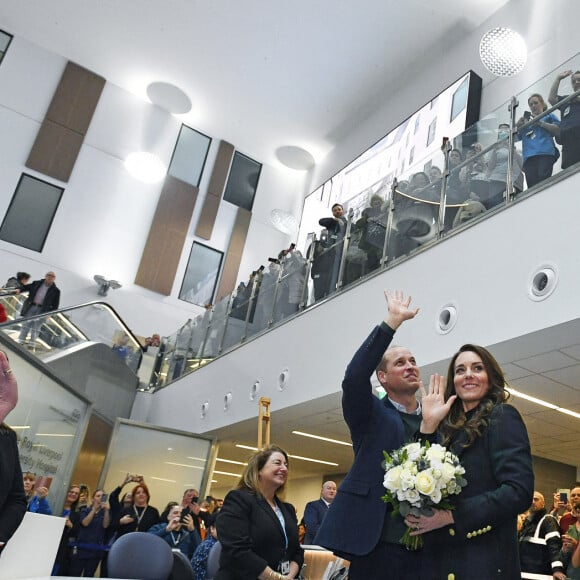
{"type": "Point", "coordinates": [284, 567]}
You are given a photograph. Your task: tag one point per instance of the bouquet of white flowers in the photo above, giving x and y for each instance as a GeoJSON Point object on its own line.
{"type": "Point", "coordinates": [419, 478]}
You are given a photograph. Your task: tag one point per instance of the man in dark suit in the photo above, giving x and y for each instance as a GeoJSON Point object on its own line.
{"type": "Point", "coordinates": [315, 511]}
{"type": "Point", "coordinates": [328, 253]}
{"type": "Point", "coordinates": [43, 296]}
{"type": "Point", "coordinates": [359, 526]}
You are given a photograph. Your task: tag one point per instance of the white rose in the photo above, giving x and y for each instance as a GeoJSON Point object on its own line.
{"type": "Point", "coordinates": [436, 453]}
{"type": "Point", "coordinates": [447, 471]}
{"type": "Point", "coordinates": [413, 451]}
{"type": "Point", "coordinates": [425, 482]}
{"type": "Point", "coordinates": [392, 479]}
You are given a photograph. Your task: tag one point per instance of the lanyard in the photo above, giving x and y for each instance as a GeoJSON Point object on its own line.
{"type": "Point", "coordinates": [176, 541]}
{"type": "Point", "coordinates": [282, 523]}
{"type": "Point", "coordinates": [139, 517]}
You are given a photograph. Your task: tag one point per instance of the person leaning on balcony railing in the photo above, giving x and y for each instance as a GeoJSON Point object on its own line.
{"type": "Point", "coordinates": [540, 152]}
{"type": "Point", "coordinates": [17, 282]}
{"type": "Point", "coordinates": [570, 118]}
{"type": "Point", "coordinates": [497, 168]}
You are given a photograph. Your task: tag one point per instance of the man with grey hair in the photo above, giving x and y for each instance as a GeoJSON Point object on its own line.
{"type": "Point", "coordinates": [43, 296]}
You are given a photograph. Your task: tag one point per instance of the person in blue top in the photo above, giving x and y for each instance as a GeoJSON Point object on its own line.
{"type": "Point", "coordinates": [539, 149]}
{"type": "Point", "coordinates": [179, 533]}
{"type": "Point", "coordinates": [36, 498]}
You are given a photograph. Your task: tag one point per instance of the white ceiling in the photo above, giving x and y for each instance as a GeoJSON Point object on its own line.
{"type": "Point", "coordinates": [260, 73]}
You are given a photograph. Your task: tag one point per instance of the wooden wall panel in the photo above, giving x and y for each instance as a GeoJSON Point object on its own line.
{"type": "Point", "coordinates": [67, 120]}
{"type": "Point", "coordinates": [55, 151]}
{"type": "Point", "coordinates": [221, 168]}
{"type": "Point", "coordinates": [76, 98]}
{"type": "Point", "coordinates": [234, 253]}
{"type": "Point", "coordinates": [166, 236]}
{"type": "Point", "coordinates": [207, 216]}
{"type": "Point", "coordinates": [215, 190]}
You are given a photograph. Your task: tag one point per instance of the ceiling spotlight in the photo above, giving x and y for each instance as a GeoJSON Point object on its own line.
{"type": "Point", "coordinates": [105, 285]}
{"type": "Point", "coordinates": [145, 167]}
{"type": "Point", "coordinates": [295, 157]}
{"type": "Point", "coordinates": [503, 52]}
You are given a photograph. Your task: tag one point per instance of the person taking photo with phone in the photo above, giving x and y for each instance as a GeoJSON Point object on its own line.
{"type": "Point", "coordinates": [90, 544]}
{"type": "Point", "coordinates": [178, 532]}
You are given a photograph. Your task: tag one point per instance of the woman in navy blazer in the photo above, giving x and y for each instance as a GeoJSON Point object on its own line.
{"type": "Point", "coordinates": [257, 531]}
{"type": "Point", "coordinates": [478, 539]}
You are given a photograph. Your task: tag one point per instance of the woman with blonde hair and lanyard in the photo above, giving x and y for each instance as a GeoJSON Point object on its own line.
{"type": "Point", "coordinates": [259, 532]}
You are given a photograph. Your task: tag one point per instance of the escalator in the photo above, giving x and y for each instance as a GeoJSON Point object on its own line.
{"type": "Point", "coordinates": [88, 346]}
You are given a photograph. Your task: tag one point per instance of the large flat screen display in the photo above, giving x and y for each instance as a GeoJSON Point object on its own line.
{"type": "Point", "coordinates": [417, 138]}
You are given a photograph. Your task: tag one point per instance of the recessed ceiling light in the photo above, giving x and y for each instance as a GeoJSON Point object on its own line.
{"type": "Point", "coordinates": [543, 403]}
{"type": "Point", "coordinates": [295, 157]}
{"type": "Point", "coordinates": [145, 167]}
{"type": "Point", "coordinates": [348, 444]}
{"type": "Point", "coordinates": [231, 461]}
{"type": "Point", "coordinates": [55, 435]}
{"type": "Point", "coordinates": [227, 473]}
{"type": "Point", "coordinates": [169, 97]}
{"type": "Point", "coordinates": [292, 456]}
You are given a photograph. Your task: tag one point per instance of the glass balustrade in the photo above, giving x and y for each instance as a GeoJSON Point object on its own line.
{"type": "Point", "coordinates": [476, 173]}
{"type": "Point", "coordinates": [482, 170]}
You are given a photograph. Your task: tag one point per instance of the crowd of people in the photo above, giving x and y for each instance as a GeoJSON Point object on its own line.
{"type": "Point", "coordinates": [94, 521]}
{"type": "Point", "coordinates": [259, 534]}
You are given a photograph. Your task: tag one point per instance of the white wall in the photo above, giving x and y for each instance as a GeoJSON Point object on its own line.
{"type": "Point", "coordinates": [484, 271]}
{"type": "Point", "coordinates": [104, 216]}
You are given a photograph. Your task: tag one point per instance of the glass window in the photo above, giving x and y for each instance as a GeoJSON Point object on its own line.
{"type": "Point", "coordinates": [432, 131]}
{"type": "Point", "coordinates": [460, 99]}
{"type": "Point", "coordinates": [190, 155]}
{"type": "Point", "coordinates": [4, 42]}
{"type": "Point", "coordinates": [201, 275]}
{"type": "Point", "coordinates": [417, 123]}
{"type": "Point", "coordinates": [49, 422]}
{"type": "Point", "coordinates": [242, 181]}
{"type": "Point", "coordinates": [30, 213]}
{"type": "Point", "coordinates": [170, 461]}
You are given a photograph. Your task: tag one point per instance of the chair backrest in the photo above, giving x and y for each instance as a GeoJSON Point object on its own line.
{"type": "Point", "coordinates": [182, 569]}
{"type": "Point", "coordinates": [213, 561]}
{"type": "Point", "coordinates": [141, 556]}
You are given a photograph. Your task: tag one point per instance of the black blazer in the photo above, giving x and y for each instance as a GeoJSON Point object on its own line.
{"type": "Point", "coordinates": [314, 513]}
{"type": "Point", "coordinates": [252, 537]}
{"type": "Point", "coordinates": [374, 426]}
{"type": "Point", "coordinates": [482, 544]}
{"type": "Point", "coordinates": [51, 300]}
{"type": "Point", "coordinates": [12, 498]}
